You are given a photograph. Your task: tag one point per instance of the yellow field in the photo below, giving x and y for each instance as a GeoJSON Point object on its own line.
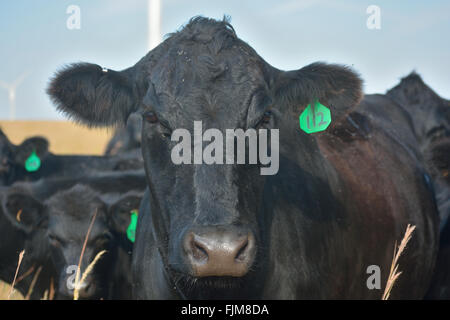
{"type": "Point", "coordinates": [64, 137]}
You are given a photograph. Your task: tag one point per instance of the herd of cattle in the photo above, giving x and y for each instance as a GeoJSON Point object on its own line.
{"type": "Point", "coordinates": [340, 201]}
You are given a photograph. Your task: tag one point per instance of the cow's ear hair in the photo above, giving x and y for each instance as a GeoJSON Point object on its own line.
{"type": "Point", "coordinates": [23, 211]}
{"type": "Point", "coordinates": [93, 95]}
{"type": "Point", "coordinates": [120, 212]}
{"type": "Point", "coordinates": [39, 145]}
{"type": "Point", "coordinates": [335, 86]}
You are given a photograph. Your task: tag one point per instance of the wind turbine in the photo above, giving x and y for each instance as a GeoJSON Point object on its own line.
{"type": "Point", "coordinates": [12, 87]}
{"type": "Point", "coordinates": [154, 23]}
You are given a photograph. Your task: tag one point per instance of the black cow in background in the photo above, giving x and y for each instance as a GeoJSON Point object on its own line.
{"type": "Point", "coordinates": [338, 204]}
{"type": "Point", "coordinates": [12, 158]}
{"type": "Point", "coordinates": [24, 223]}
{"type": "Point", "coordinates": [36, 263]}
{"type": "Point", "coordinates": [126, 138]}
{"type": "Point", "coordinates": [12, 161]}
{"type": "Point", "coordinates": [427, 115]}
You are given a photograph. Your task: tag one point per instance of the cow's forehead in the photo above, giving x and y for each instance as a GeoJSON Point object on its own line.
{"type": "Point", "coordinates": [68, 226]}
{"type": "Point", "coordinates": [193, 84]}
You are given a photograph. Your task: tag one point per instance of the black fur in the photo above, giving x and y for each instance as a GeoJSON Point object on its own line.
{"type": "Point", "coordinates": [88, 94]}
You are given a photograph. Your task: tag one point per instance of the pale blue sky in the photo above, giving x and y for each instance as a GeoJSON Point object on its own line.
{"type": "Point", "coordinates": [288, 34]}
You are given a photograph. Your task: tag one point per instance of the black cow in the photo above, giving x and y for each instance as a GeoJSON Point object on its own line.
{"type": "Point", "coordinates": [17, 234]}
{"type": "Point", "coordinates": [23, 226]}
{"type": "Point", "coordinates": [126, 138]}
{"type": "Point", "coordinates": [428, 115]}
{"type": "Point", "coordinates": [337, 205]}
{"type": "Point", "coordinates": [13, 158]}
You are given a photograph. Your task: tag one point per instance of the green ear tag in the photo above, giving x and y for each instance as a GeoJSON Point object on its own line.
{"type": "Point", "coordinates": [131, 230]}
{"type": "Point", "coordinates": [317, 120]}
{"type": "Point", "coordinates": [33, 163]}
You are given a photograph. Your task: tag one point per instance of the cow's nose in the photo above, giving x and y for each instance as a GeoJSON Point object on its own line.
{"type": "Point", "coordinates": [86, 289]}
{"type": "Point", "coordinates": [218, 253]}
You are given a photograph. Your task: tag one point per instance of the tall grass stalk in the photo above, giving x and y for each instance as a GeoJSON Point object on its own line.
{"type": "Point", "coordinates": [394, 273]}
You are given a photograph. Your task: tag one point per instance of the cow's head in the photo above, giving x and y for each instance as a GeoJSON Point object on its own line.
{"type": "Point", "coordinates": [210, 214]}
{"type": "Point", "coordinates": [13, 158]}
{"type": "Point", "coordinates": [66, 217]}
{"type": "Point", "coordinates": [429, 112]}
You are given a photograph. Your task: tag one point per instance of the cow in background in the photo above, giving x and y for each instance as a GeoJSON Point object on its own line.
{"type": "Point", "coordinates": [427, 117]}
{"type": "Point", "coordinates": [13, 159]}
{"type": "Point", "coordinates": [24, 224]}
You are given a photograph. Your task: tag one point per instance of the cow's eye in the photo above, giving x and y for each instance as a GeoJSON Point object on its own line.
{"type": "Point", "coordinates": [166, 132]}
{"type": "Point", "coordinates": [266, 117]}
{"type": "Point", "coordinates": [102, 240]}
{"type": "Point", "coordinates": [55, 241]}
{"type": "Point", "coordinates": [150, 117]}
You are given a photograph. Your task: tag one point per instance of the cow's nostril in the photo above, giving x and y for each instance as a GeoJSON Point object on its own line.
{"type": "Point", "coordinates": [241, 256]}
{"type": "Point", "coordinates": [198, 251]}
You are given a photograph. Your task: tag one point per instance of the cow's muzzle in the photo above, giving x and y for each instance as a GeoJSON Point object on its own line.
{"type": "Point", "coordinates": [219, 251]}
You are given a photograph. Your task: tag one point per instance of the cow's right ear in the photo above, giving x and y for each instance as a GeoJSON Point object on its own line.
{"type": "Point", "coordinates": [39, 145]}
{"type": "Point", "coordinates": [120, 212]}
{"type": "Point", "coordinates": [23, 211]}
{"type": "Point", "coordinates": [92, 95]}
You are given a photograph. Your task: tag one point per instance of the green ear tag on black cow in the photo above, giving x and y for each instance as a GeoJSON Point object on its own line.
{"type": "Point", "coordinates": [33, 162]}
{"type": "Point", "coordinates": [131, 230]}
{"type": "Point", "coordinates": [315, 119]}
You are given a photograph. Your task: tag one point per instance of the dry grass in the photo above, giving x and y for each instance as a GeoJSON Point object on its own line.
{"type": "Point", "coordinates": [90, 267]}
{"type": "Point", "coordinates": [33, 283]}
{"type": "Point", "coordinates": [394, 273]}
{"type": "Point", "coordinates": [77, 275]}
{"type": "Point", "coordinates": [15, 275]}
{"type": "Point", "coordinates": [86, 273]}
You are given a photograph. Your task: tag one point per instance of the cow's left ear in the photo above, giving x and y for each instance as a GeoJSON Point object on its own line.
{"type": "Point", "coordinates": [23, 211]}
{"type": "Point", "coordinates": [335, 86]}
{"type": "Point", "coordinates": [120, 212]}
{"type": "Point", "coordinates": [38, 145]}
{"type": "Point", "coordinates": [93, 95]}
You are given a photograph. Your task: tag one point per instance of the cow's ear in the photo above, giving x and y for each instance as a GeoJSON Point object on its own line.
{"type": "Point", "coordinates": [93, 95]}
{"type": "Point", "coordinates": [38, 145]}
{"type": "Point", "coordinates": [121, 211]}
{"type": "Point", "coordinates": [23, 211]}
{"type": "Point", "coordinates": [334, 86]}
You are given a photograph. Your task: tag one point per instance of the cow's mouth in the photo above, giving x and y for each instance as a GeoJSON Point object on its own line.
{"type": "Point", "coordinates": [210, 287]}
